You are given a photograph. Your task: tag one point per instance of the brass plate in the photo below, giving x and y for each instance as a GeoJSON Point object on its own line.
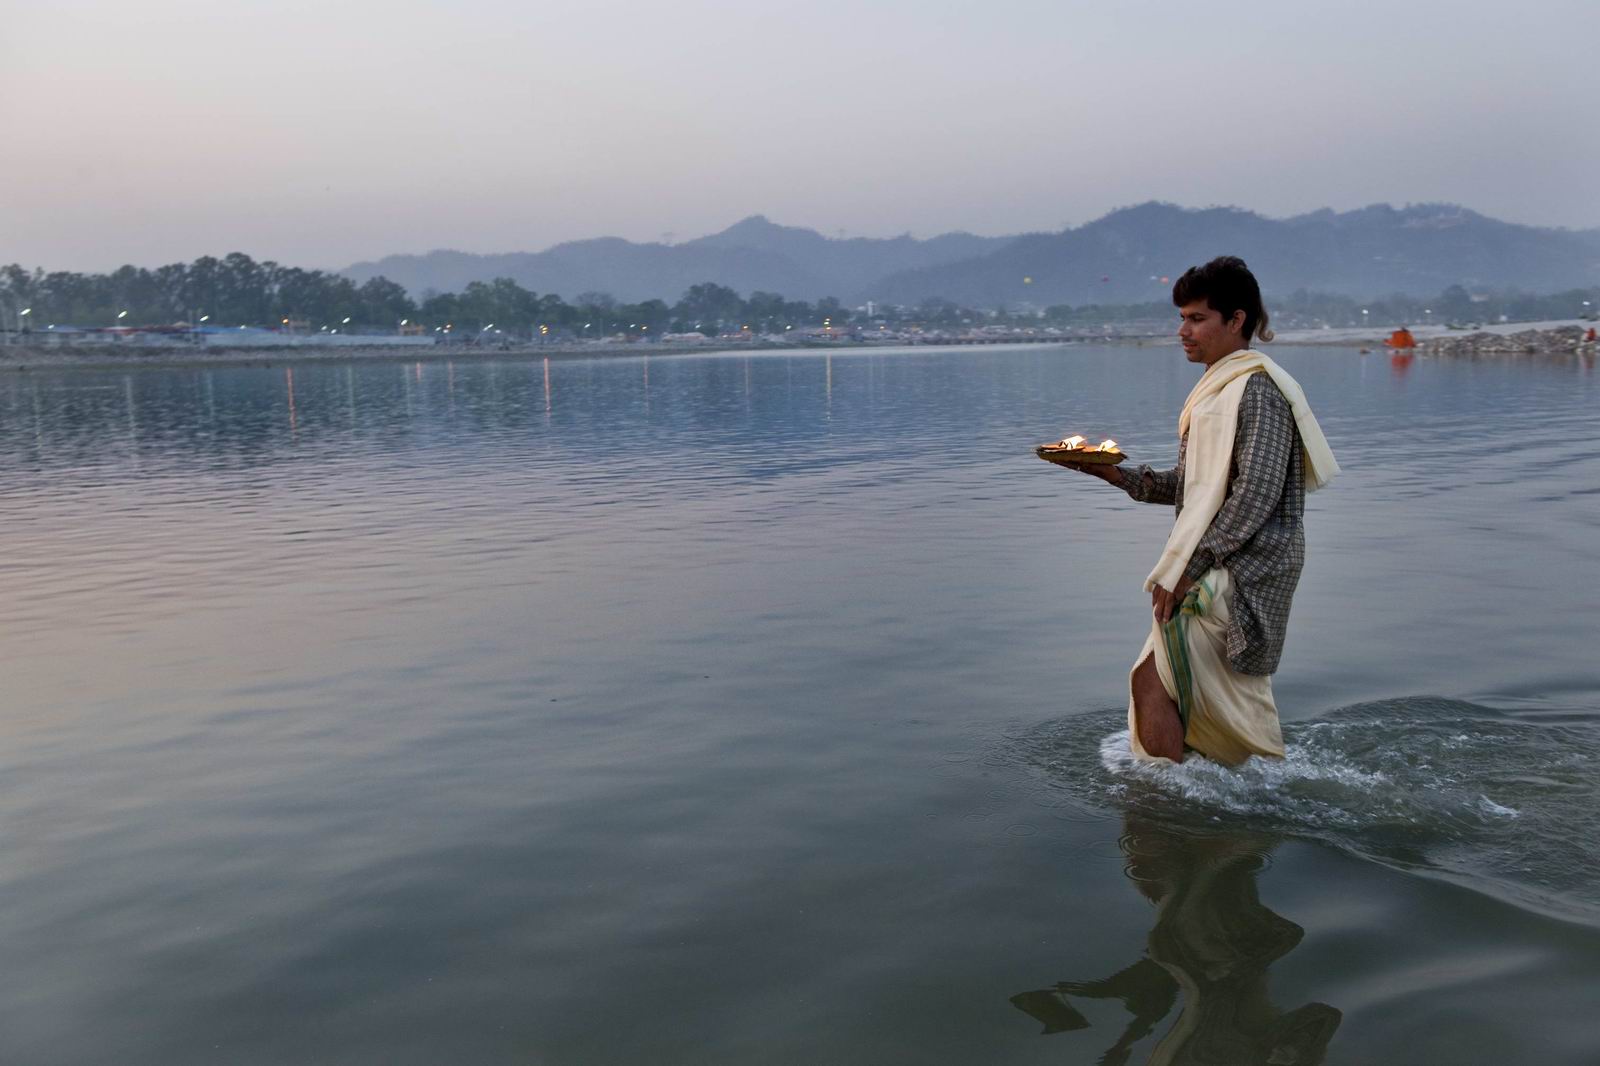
{"type": "Point", "coordinates": [1078, 456]}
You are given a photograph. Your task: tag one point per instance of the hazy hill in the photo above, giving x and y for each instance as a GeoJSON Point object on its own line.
{"type": "Point", "coordinates": [844, 266]}
{"type": "Point", "coordinates": [1419, 250]}
{"type": "Point", "coordinates": [750, 255]}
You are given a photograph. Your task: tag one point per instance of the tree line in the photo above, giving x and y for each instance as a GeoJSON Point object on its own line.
{"type": "Point", "coordinates": [236, 290]}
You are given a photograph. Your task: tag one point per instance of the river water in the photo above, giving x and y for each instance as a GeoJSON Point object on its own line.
{"type": "Point", "coordinates": [767, 708]}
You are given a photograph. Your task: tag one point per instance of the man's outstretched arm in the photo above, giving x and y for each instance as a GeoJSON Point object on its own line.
{"type": "Point", "coordinates": [1148, 485]}
{"type": "Point", "coordinates": [1139, 482]}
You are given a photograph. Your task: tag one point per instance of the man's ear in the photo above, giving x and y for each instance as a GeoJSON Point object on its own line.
{"type": "Point", "coordinates": [1236, 323]}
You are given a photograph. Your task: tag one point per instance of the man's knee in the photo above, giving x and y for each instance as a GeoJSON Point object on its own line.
{"type": "Point", "coordinates": [1155, 715]}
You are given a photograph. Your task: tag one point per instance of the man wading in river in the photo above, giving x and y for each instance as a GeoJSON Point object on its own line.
{"type": "Point", "coordinates": [1249, 448]}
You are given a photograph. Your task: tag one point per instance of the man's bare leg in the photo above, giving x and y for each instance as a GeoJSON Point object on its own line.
{"type": "Point", "coordinates": [1155, 715]}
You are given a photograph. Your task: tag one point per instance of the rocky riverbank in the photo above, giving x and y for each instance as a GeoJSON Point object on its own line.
{"type": "Point", "coordinates": [1560, 340]}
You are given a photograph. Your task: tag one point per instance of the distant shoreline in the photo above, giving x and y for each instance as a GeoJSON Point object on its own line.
{"type": "Point", "coordinates": [1506, 339]}
{"type": "Point", "coordinates": [23, 358]}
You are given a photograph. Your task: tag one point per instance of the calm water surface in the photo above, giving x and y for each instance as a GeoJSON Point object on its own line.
{"type": "Point", "coordinates": [726, 709]}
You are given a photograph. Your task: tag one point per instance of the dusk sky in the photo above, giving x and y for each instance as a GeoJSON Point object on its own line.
{"type": "Point", "coordinates": [318, 134]}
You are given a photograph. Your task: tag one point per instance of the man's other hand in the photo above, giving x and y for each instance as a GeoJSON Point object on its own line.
{"type": "Point", "coordinates": [1164, 604]}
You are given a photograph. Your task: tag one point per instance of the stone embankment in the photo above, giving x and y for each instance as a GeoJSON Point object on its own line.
{"type": "Point", "coordinates": [1558, 341]}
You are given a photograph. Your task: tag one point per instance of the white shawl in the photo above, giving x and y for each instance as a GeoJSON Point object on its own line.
{"type": "Point", "coordinates": [1210, 418]}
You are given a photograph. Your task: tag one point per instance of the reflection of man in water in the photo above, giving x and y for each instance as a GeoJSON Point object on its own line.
{"type": "Point", "coordinates": [1248, 449]}
{"type": "Point", "coordinates": [1212, 944]}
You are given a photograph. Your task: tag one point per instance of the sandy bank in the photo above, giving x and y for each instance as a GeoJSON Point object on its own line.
{"type": "Point", "coordinates": [134, 356]}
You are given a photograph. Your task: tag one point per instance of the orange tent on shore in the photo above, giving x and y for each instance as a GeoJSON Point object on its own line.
{"type": "Point", "coordinates": [1401, 338]}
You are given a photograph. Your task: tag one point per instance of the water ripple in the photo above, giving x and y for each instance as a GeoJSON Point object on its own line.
{"type": "Point", "coordinates": [1496, 799]}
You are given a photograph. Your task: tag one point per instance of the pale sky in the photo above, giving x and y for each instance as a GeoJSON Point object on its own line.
{"type": "Point", "coordinates": [322, 133]}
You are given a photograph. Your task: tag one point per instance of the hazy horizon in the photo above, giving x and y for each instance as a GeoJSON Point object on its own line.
{"type": "Point", "coordinates": [324, 136]}
{"type": "Point", "coordinates": [683, 238]}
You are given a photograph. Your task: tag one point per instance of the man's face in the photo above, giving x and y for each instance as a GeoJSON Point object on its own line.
{"type": "Point", "coordinates": [1205, 336]}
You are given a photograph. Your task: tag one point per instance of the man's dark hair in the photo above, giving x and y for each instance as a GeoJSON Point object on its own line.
{"type": "Point", "coordinates": [1226, 285]}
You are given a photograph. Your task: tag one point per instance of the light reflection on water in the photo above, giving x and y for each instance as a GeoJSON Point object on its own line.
{"type": "Point", "coordinates": [595, 710]}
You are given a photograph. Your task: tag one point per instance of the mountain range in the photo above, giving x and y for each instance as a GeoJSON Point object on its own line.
{"type": "Point", "coordinates": [1122, 257]}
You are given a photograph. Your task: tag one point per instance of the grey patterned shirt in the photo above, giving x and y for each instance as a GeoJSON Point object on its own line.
{"type": "Point", "coordinates": [1258, 535]}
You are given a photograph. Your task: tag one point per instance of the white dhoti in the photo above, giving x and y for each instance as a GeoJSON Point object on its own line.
{"type": "Point", "coordinates": [1227, 716]}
